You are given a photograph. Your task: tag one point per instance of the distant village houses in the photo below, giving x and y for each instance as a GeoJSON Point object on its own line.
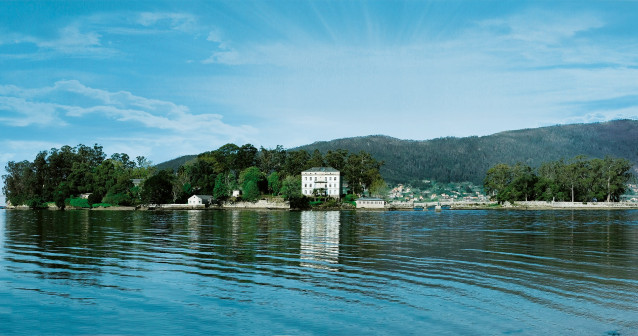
{"type": "Point", "coordinates": [321, 181]}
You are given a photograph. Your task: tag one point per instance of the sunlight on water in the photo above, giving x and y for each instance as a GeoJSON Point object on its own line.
{"type": "Point", "coordinates": [280, 272]}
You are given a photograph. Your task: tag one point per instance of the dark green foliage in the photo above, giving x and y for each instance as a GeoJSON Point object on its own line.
{"type": "Point", "coordinates": [291, 187]}
{"type": "Point", "coordinates": [246, 157]}
{"type": "Point", "coordinates": [250, 191]}
{"type": "Point", "coordinates": [316, 160]}
{"type": "Point", "coordinates": [350, 198]}
{"type": "Point", "coordinates": [271, 160]}
{"type": "Point", "coordinates": [274, 183]}
{"type": "Point", "coordinates": [221, 191]}
{"type": "Point", "coordinates": [20, 183]}
{"type": "Point", "coordinates": [252, 183]}
{"type": "Point", "coordinates": [296, 162]}
{"type": "Point", "coordinates": [95, 198]}
{"type": "Point", "coordinates": [360, 170]}
{"type": "Point", "coordinates": [123, 199]}
{"type": "Point", "coordinates": [577, 180]}
{"type": "Point", "coordinates": [36, 203]}
{"type": "Point", "coordinates": [299, 202]}
{"type": "Point", "coordinates": [158, 189]}
{"type": "Point", "coordinates": [467, 159]}
{"type": "Point", "coordinates": [174, 164]}
{"type": "Point", "coordinates": [59, 174]}
{"type": "Point", "coordinates": [77, 202]}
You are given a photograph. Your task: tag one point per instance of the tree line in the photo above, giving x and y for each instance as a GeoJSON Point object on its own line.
{"type": "Point", "coordinates": [268, 171]}
{"type": "Point", "coordinates": [579, 179]}
{"type": "Point", "coordinates": [62, 175]}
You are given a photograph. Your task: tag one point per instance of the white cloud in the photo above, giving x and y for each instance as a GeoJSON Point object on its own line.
{"type": "Point", "coordinates": [26, 107]}
{"type": "Point", "coordinates": [71, 39]}
{"type": "Point", "coordinates": [542, 27]}
{"type": "Point", "coordinates": [515, 72]}
{"type": "Point", "coordinates": [174, 21]}
{"type": "Point", "coordinates": [91, 36]}
{"type": "Point", "coordinates": [19, 112]}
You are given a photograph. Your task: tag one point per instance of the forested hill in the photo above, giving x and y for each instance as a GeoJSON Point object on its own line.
{"type": "Point", "coordinates": [174, 164]}
{"type": "Point", "coordinates": [467, 159]}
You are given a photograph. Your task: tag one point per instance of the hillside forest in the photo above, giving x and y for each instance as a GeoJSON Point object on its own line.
{"type": "Point", "coordinates": [467, 159]}
{"type": "Point", "coordinates": [62, 175]}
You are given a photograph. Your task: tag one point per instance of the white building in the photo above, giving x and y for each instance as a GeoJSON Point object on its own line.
{"type": "Point", "coordinates": [200, 199]}
{"type": "Point", "coordinates": [370, 203]}
{"type": "Point", "coordinates": [321, 181]}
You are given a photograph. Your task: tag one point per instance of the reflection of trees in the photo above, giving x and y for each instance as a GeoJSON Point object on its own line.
{"type": "Point", "coordinates": [497, 250]}
{"type": "Point", "coordinates": [319, 238]}
{"type": "Point", "coordinates": [55, 245]}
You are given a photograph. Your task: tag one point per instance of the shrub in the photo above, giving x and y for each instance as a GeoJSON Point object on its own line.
{"type": "Point", "coordinates": [36, 203]}
{"type": "Point", "coordinates": [117, 199]}
{"type": "Point", "coordinates": [103, 205]}
{"type": "Point", "coordinates": [77, 202]}
{"type": "Point", "coordinates": [299, 202]}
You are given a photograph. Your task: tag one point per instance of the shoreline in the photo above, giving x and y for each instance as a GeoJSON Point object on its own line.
{"type": "Point", "coordinates": [286, 207]}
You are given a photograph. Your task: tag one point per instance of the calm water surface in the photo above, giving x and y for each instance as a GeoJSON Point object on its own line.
{"type": "Point", "coordinates": [337, 273]}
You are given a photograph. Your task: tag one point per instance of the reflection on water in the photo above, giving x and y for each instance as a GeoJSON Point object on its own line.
{"type": "Point", "coordinates": [319, 239]}
{"type": "Point", "coordinates": [280, 272]}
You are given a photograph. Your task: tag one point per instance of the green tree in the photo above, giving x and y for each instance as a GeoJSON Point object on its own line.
{"type": "Point", "coordinates": [291, 187]}
{"type": "Point", "coordinates": [274, 183]}
{"type": "Point", "coordinates": [296, 162]}
{"type": "Point", "coordinates": [496, 181]}
{"type": "Point", "coordinates": [250, 180]}
{"type": "Point", "coordinates": [246, 157]}
{"type": "Point", "coordinates": [19, 182]}
{"type": "Point", "coordinates": [616, 174]}
{"type": "Point", "coordinates": [379, 188]}
{"type": "Point", "coordinates": [337, 159]}
{"type": "Point", "coordinates": [360, 171]}
{"type": "Point", "coordinates": [522, 186]}
{"type": "Point", "coordinates": [271, 160]}
{"type": "Point", "coordinates": [549, 186]}
{"type": "Point", "coordinates": [316, 160]}
{"type": "Point", "coordinates": [574, 175]}
{"type": "Point", "coordinates": [158, 189]}
{"type": "Point", "coordinates": [221, 191]}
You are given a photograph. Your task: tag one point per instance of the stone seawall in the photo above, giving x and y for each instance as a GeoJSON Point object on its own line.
{"type": "Point", "coordinates": [261, 204]}
{"type": "Point", "coordinates": [572, 205]}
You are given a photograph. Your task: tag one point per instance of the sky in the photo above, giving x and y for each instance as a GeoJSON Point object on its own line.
{"type": "Point", "coordinates": [163, 79]}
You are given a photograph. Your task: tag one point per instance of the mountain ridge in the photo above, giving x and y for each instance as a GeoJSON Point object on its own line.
{"type": "Point", "coordinates": [456, 159]}
{"type": "Point", "coordinates": [460, 159]}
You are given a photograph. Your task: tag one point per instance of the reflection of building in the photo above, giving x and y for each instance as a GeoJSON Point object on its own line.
{"type": "Point", "coordinates": [194, 221]}
{"type": "Point", "coordinates": [325, 181]}
{"type": "Point", "coordinates": [320, 239]}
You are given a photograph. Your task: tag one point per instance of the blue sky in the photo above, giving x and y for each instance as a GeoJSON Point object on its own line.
{"type": "Point", "coordinates": [167, 78]}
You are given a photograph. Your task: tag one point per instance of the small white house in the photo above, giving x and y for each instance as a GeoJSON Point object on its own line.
{"type": "Point", "coordinates": [370, 203]}
{"type": "Point", "coordinates": [200, 200]}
